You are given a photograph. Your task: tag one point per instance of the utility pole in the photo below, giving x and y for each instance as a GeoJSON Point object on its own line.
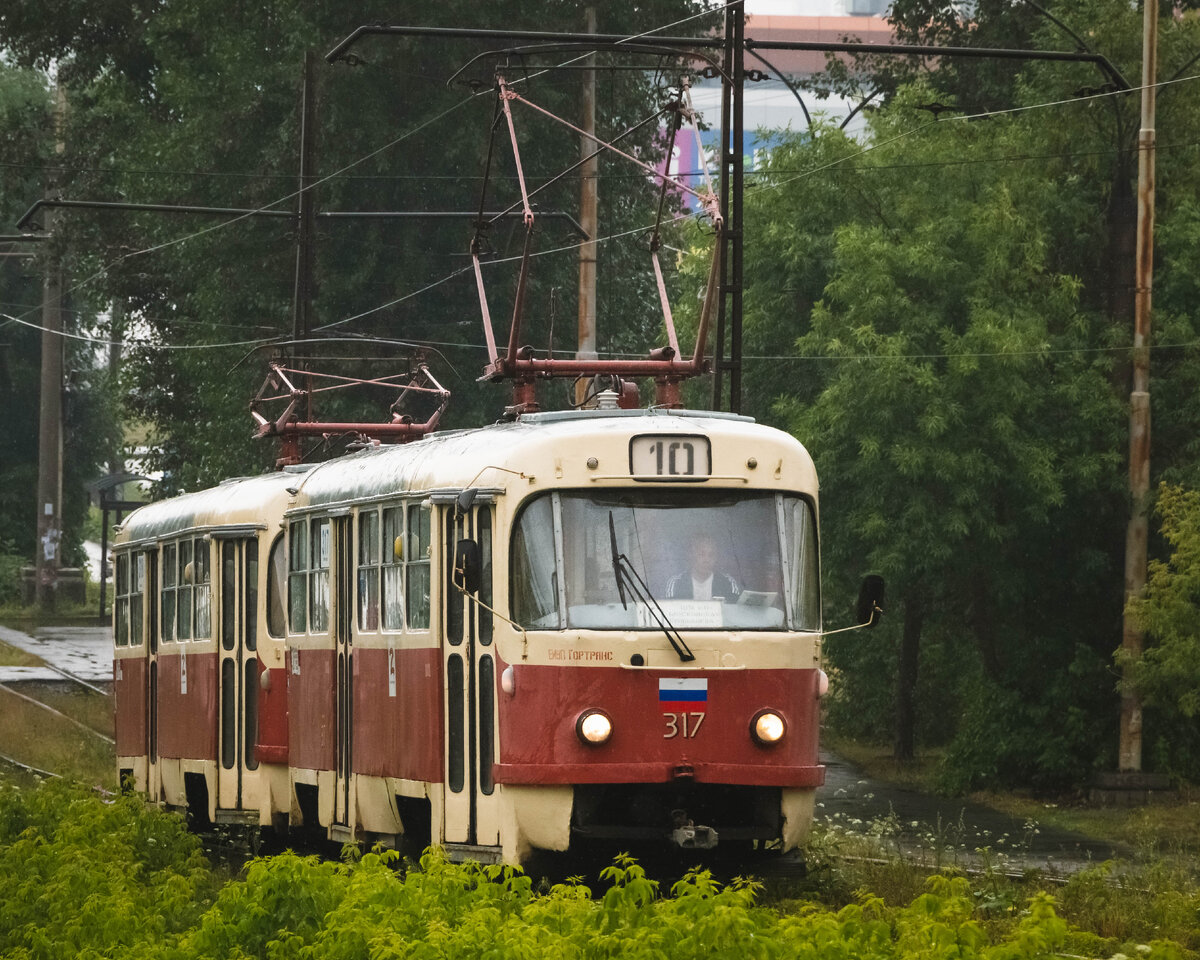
{"type": "Point", "coordinates": [732, 168]}
{"type": "Point", "coordinates": [589, 199]}
{"type": "Point", "coordinates": [1130, 746]}
{"type": "Point", "coordinates": [302, 298]}
{"type": "Point", "coordinates": [47, 558]}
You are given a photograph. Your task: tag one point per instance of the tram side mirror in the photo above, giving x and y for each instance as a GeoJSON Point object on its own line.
{"type": "Point", "coordinates": [467, 565]}
{"type": "Point", "coordinates": [464, 500]}
{"type": "Point", "coordinates": [870, 600]}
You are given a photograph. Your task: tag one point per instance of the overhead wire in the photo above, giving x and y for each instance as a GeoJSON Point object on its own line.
{"type": "Point", "coordinates": [198, 233]}
{"type": "Point", "coordinates": [962, 355]}
{"type": "Point", "coordinates": [575, 246]}
{"type": "Point", "coordinates": [804, 174]}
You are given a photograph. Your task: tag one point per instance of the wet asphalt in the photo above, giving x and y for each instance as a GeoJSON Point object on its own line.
{"type": "Point", "coordinates": [950, 831]}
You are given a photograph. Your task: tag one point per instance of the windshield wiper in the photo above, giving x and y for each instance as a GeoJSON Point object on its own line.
{"type": "Point", "coordinates": [627, 576]}
{"type": "Point", "coordinates": [616, 560]}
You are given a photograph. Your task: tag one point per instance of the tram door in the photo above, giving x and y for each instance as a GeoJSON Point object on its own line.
{"type": "Point", "coordinates": [343, 612]}
{"type": "Point", "coordinates": [471, 813]}
{"type": "Point", "coordinates": [153, 776]}
{"type": "Point", "coordinates": [237, 723]}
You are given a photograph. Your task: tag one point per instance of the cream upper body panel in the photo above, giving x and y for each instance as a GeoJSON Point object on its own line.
{"type": "Point", "coordinates": [568, 449]}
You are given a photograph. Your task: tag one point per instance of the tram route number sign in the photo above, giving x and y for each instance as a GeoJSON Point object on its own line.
{"type": "Point", "coordinates": [670, 457]}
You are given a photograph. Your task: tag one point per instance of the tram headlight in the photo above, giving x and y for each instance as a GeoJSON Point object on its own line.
{"type": "Point", "coordinates": [767, 727]}
{"type": "Point", "coordinates": [593, 727]}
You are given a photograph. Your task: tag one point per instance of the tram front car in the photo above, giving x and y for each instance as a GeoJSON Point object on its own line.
{"type": "Point", "coordinates": [658, 651]}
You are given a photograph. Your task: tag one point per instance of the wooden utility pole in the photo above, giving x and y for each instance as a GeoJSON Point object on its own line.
{"type": "Point", "coordinates": [1130, 746]}
{"type": "Point", "coordinates": [302, 297]}
{"type": "Point", "coordinates": [589, 199]}
{"type": "Point", "coordinates": [47, 557]}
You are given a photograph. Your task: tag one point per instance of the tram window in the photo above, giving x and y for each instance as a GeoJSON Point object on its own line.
{"type": "Point", "coordinates": [455, 530]}
{"type": "Point", "coordinates": [455, 752]}
{"type": "Point", "coordinates": [137, 589]}
{"type": "Point", "coordinates": [318, 577]}
{"type": "Point", "coordinates": [183, 595]}
{"type": "Point", "coordinates": [186, 590]}
{"type": "Point", "coordinates": [122, 604]}
{"type": "Point", "coordinates": [800, 539]}
{"type": "Point", "coordinates": [203, 590]}
{"type": "Point", "coordinates": [250, 730]}
{"type": "Point", "coordinates": [368, 570]}
{"type": "Point", "coordinates": [169, 581]}
{"type": "Point", "coordinates": [393, 568]}
{"type": "Point", "coordinates": [534, 578]}
{"type": "Point", "coordinates": [487, 722]}
{"type": "Point", "coordinates": [298, 577]}
{"type": "Point", "coordinates": [228, 713]}
{"type": "Point", "coordinates": [712, 560]}
{"type": "Point", "coordinates": [228, 594]}
{"type": "Point", "coordinates": [417, 571]}
{"type": "Point", "coordinates": [276, 581]}
{"type": "Point", "coordinates": [484, 528]}
{"type": "Point", "coordinates": [250, 600]}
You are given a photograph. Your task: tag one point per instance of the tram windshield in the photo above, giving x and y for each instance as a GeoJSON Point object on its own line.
{"type": "Point", "coordinates": [712, 560]}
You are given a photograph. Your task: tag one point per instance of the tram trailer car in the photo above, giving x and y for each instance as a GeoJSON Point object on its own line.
{"type": "Point", "coordinates": [582, 624]}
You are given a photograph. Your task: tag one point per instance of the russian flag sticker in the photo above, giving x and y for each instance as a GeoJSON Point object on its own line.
{"type": "Point", "coordinates": [682, 693]}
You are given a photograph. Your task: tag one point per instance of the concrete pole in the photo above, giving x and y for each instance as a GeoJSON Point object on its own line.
{"type": "Point", "coordinates": [589, 199]}
{"type": "Point", "coordinates": [1130, 746]}
{"type": "Point", "coordinates": [47, 552]}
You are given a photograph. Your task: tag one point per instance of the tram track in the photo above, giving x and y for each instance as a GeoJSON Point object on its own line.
{"type": "Point", "coordinates": [7, 688]}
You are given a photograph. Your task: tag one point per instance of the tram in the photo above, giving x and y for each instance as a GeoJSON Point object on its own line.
{"type": "Point", "coordinates": [480, 638]}
{"type": "Point", "coordinates": [600, 623]}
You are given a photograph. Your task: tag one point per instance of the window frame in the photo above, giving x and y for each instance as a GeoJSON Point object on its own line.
{"type": "Point", "coordinates": [540, 598]}
{"type": "Point", "coordinates": [180, 599]}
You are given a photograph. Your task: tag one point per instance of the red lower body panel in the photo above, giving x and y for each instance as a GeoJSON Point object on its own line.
{"type": "Point", "coordinates": [651, 740]}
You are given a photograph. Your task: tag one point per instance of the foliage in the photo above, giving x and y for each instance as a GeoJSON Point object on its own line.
{"type": "Point", "coordinates": [26, 142]}
{"type": "Point", "coordinates": [1122, 904]}
{"type": "Point", "coordinates": [196, 103]}
{"type": "Point", "coordinates": [945, 333]}
{"type": "Point", "coordinates": [1168, 675]}
{"type": "Point", "coordinates": [958, 420]}
{"type": "Point", "coordinates": [82, 877]}
{"type": "Point", "coordinates": [92, 878]}
{"type": "Point", "coordinates": [10, 574]}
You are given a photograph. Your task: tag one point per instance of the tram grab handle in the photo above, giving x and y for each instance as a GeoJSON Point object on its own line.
{"type": "Point", "coordinates": [467, 566]}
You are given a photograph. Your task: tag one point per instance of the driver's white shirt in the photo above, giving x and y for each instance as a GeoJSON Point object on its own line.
{"type": "Point", "coordinates": [702, 589]}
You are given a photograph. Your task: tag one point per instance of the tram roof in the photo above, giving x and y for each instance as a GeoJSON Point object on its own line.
{"type": "Point", "coordinates": [455, 459]}
{"type": "Point", "coordinates": [242, 501]}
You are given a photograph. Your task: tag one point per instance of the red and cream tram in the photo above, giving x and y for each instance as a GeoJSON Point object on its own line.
{"type": "Point", "coordinates": [600, 623]}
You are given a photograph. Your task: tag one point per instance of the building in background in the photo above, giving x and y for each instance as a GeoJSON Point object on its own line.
{"type": "Point", "coordinates": [769, 105]}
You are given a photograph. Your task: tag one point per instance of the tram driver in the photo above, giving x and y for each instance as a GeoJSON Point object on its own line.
{"type": "Point", "coordinates": [702, 580]}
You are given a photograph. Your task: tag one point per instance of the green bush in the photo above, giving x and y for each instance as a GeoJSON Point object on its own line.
{"type": "Point", "coordinates": [86, 877]}
{"type": "Point", "coordinates": [10, 574]}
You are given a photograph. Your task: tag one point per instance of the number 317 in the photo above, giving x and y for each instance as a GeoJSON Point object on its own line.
{"type": "Point", "coordinates": [679, 724]}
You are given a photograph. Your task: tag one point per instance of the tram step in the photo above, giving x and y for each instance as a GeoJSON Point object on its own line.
{"type": "Point", "coordinates": [458, 852]}
{"type": "Point", "coordinates": [247, 817]}
{"type": "Point", "coordinates": [341, 833]}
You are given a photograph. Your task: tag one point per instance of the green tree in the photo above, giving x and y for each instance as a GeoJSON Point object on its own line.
{"type": "Point", "coordinates": [960, 424]}
{"type": "Point", "coordinates": [1168, 675]}
{"type": "Point", "coordinates": [962, 375]}
{"type": "Point", "coordinates": [197, 103]}
{"type": "Point", "coordinates": [26, 148]}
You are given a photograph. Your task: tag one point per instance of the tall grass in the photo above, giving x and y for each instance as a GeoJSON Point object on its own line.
{"type": "Point", "coordinates": [40, 739]}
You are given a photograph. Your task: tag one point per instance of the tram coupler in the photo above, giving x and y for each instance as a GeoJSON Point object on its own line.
{"type": "Point", "coordinates": [689, 836]}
